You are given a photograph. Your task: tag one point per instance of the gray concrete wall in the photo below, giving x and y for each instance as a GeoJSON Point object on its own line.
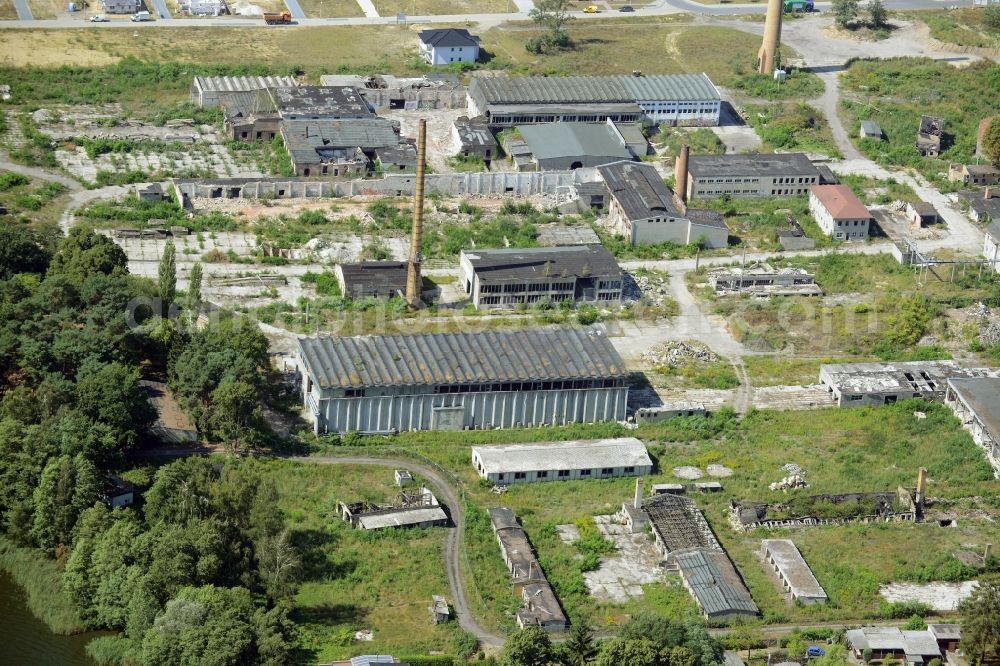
{"type": "Point", "coordinates": [470, 410]}
{"type": "Point", "coordinates": [511, 184]}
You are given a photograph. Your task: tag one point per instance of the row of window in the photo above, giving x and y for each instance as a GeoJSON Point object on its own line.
{"type": "Point", "coordinates": [791, 191]}
{"type": "Point", "coordinates": [522, 120]}
{"type": "Point", "coordinates": [564, 473]}
{"type": "Point", "coordinates": [520, 287]}
{"type": "Point", "coordinates": [847, 223]}
{"type": "Point", "coordinates": [711, 192]}
{"type": "Point", "coordinates": [530, 298]}
{"type": "Point", "coordinates": [727, 180]}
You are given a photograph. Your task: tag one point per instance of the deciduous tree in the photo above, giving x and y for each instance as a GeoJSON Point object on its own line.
{"type": "Point", "coordinates": [981, 622]}
{"type": "Point", "coordinates": [878, 15]}
{"type": "Point", "coordinates": [991, 138]}
{"type": "Point", "coordinates": [528, 647]}
{"type": "Point", "coordinates": [845, 12]}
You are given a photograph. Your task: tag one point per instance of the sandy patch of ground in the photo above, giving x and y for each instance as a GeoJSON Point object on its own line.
{"type": "Point", "coordinates": [19, 48]}
{"type": "Point", "coordinates": [940, 596]}
{"type": "Point", "coordinates": [690, 473]}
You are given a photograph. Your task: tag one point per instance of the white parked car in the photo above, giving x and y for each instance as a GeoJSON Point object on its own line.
{"type": "Point", "coordinates": [99, 18]}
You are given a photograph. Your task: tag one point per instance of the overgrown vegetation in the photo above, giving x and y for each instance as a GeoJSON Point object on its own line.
{"type": "Point", "coordinates": [966, 26]}
{"type": "Point", "coordinates": [792, 127]}
{"type": "Point", "coordinates": [799, 85]}
{"type": "Point", "coordinates": [896, 92]}
{"type": "Point", "coordinates": [190, 575]}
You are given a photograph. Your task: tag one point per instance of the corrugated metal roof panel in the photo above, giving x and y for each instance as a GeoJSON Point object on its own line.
{"type": "Point", "coordinates": [461, 358]}
{"type": "Point", "coordinates": [715, 582]}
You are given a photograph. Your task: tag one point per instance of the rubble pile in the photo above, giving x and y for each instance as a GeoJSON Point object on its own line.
{"type": "Point", "coordinates": [989, 324]}
{"type": "Point", "coordinates": [789, 482]}
{"type": "Point", "coordinates": [654, 287]}
{"type": "Point", "coordinates": [676, 352]}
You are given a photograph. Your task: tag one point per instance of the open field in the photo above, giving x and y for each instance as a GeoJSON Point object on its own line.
{"type": "Point", "coordinates": [896, 92]}
{"type": "Point", "coordinates": [767, 370]}
{"type": "Point", "coordinates": [314, 48]}
{"type": "Point", "coordinates": [356, 580]}
{"type": "Point", "coordinates": [963, 27]}
{"type": "Point", "coordinates": [873, 307]}
{"type": "Point", "coordinates": [604, 47]}
{"type": "Point", "coordinates": [330, 8]}
{"type": "Point", "coordinates": [430, 7]}
{"type": "Point", "coordinates": [7, 11]}
{"type": "Point", "coordinates": [46, 9]}
{"type": "Point", "coordinates": [840, 451]}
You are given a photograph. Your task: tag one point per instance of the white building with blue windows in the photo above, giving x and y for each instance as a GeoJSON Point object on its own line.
{"type": "Point", "coordinates": [445, 46]}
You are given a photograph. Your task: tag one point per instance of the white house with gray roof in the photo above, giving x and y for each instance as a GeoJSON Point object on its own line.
{"type": "Point", "coordinates": [446, 46]}
{"type": "Point", "coordinates": [562, 461]}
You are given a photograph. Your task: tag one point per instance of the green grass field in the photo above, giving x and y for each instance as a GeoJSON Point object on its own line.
{"type": "Point", "coordinates": [841, 451]}
{"type": "Point", "coordinates": [353, 579]}
{"type": "Point", "coordinates": [330, 8]}
{"type": "Point", "coordinates": [963, 27]}
{"type": "Point", "coordinates": [896, 92]}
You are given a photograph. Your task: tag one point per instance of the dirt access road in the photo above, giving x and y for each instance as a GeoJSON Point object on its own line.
{"type": "Point", "coordinates": [452, 543]}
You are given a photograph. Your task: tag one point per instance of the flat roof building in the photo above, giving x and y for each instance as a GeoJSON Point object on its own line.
{"type": "Point", "coordinates": [643, 210]}
{"type": "Point", "coordinates": [371, 279]}
{"type": "Point", "coordinates": [911, 647]}
{"type": "Point", "coordinates": [455, 381]}
{"type": "Point", "coordinates": [473, 137]}
{"type": "Point", "coordinates": [867, 384]}
{"type": "Point", "coordinates": [839, 213]}
{"type": "Point", "coordinates": [795, 575]}
{"type": "Point", "coordinates": [336, 148]}
{"type": "Point", "coordinates": [677, 99]}
{"type": "Point", "coordinates": [764, 281]}
{"type": "Point", "coordinates": [562, 461]}
{"type": "Point", "coordinates": [567, 146]}
{"type": "Point", "coordinates": [976, 402]}
{"type": "Point", "coordinates": [206, 90]}
{"type": "Point", "coordinates": [506, 278]}
{"type": "Point", "coordinates": [749, 175]}
{"type": "Point", "coordinates": [419, 509]}
{"type": "Point", "coordinates": [320, 103]}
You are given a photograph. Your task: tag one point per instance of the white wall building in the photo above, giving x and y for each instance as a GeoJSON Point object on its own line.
{"type": "Point", "coordinates": [445, 46]}
{"type": "Point", "coordinates": [839, 213]}
{"type": "Point", "coordinates": [562, 461]}
{"type": "Point", "coordinates": [991, 245]}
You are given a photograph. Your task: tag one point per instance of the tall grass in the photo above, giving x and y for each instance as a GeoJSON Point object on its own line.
{"type": "Point", "coordinates": [41, 579]}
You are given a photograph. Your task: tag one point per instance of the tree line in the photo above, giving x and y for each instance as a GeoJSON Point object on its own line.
{"type": "Point", "coordinates": [200, 569]}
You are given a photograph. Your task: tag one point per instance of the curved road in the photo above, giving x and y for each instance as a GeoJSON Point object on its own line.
{"type": "Point", "coordinates": [453, 539]}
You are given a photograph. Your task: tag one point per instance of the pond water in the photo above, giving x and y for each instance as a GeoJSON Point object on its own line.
{"type": "Point", "coordinates": [24, 639]}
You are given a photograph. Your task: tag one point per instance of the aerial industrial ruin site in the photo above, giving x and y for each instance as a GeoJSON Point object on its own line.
{"type": "Point", "coordinates": [535, 333]}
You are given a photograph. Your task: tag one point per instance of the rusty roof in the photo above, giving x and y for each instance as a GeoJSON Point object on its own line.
{"type": "Point", "coordinates": [840, 202]}
{"type": "Point", "coordinates": [555, 354]}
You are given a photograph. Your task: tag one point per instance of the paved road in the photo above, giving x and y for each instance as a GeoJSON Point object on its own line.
{"type": "Point", "coordinates": [23, 10]}
{"type": "Point", "coordinates": [294, 9]}
{"type": "Point", "coordinates": [663, 8]}
{"type": "Point", "coordinates": [160, 10]}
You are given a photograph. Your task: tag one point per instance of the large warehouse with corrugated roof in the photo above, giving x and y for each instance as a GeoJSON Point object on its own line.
{"type": "Point", "coordinates": [456, 381]}
{"type": "Point", "coordinates": [672, 99]}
